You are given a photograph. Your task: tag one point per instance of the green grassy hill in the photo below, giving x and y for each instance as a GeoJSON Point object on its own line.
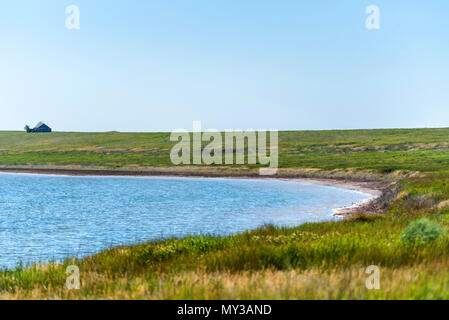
{"type": "Point", "coordinates": [383, 151]}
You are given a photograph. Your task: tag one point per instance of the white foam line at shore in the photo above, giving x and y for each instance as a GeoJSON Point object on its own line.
{"type": "Point", "coordinates": [341, 212]}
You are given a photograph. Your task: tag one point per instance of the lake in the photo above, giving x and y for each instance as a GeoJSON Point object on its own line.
{"type": "Point", "coordinates": [46, 218]}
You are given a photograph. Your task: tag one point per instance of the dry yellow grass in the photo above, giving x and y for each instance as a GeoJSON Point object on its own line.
{"type": "Point", "coordinates": [412, 282]}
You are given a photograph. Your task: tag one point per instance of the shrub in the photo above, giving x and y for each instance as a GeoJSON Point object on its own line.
{"type": "Point", "coordinates": [422, 231]}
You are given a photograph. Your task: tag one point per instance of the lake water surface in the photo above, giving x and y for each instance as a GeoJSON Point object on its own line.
{"type": "Point", "coordinates": [46, 218]}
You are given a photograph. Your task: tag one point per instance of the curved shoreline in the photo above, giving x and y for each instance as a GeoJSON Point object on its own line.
{"type": "Point", "coordinates": [370, 186]}
{"type": "Point", "coordinates": [366, 186]}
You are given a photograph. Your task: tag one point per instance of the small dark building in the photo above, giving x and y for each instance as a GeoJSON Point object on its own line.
{"type": "Point", "coordinates": [40, 127]}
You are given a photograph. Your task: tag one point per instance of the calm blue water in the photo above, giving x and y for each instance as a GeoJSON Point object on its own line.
{"type": "Point", "coordinates": [52, 217]}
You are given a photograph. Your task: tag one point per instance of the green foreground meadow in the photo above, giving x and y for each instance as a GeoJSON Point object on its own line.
{"type": "Point", "coordinates": [408, 239]}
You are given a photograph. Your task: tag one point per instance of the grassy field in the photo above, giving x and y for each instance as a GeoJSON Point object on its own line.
{"type": "Point", "coordinates": [314, 261]}
{"type": "Point", "coordinates": [424, 150]}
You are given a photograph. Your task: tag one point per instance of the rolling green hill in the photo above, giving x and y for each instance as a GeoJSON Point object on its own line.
{"type": "Point", "coordinates": [383, 151]}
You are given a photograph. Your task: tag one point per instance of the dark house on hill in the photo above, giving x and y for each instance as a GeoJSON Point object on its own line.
{"type": "Point", "coordinates": [40, 127]}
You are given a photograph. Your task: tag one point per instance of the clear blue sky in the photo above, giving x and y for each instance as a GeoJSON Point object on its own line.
{"type": "Point", "coordinates": [141, 65]}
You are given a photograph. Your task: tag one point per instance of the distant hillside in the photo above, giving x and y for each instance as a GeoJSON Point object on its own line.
{"type": "Point", "coordinates": [378, 150]}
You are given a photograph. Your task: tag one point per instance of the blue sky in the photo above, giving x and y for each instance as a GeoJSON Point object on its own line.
{"type": "Point", "coordinates": [140, 65]}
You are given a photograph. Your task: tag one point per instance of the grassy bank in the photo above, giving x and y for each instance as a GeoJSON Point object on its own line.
{"type": "Point", "coordinates": [321, 260]}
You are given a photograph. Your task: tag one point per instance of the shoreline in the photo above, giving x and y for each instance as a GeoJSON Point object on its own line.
{"type": "Point", "coordinates": [370, 187]}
